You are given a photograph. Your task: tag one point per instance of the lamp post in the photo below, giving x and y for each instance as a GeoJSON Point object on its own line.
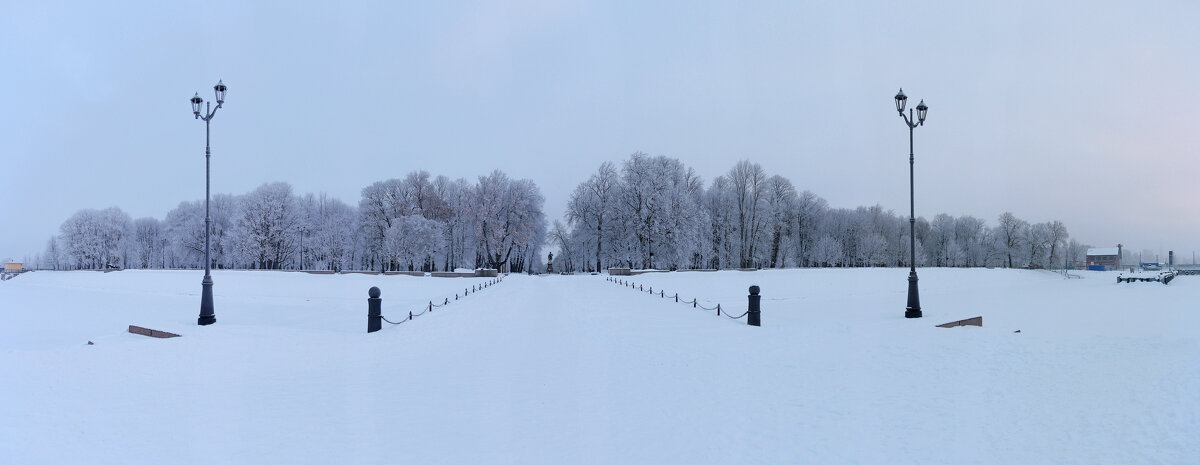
{"type": "Point", "coordinates": [207, 317]}
{"type": "Point", "coordinates": [913, 310]}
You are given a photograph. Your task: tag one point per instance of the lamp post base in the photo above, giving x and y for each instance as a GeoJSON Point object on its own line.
{"type": "Point", "coordinates": [914, 297]}
{"type": "Point", "coordinates": [207, 317]}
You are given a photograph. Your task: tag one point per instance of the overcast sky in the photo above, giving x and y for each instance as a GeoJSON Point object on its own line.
{"type": "Point", "coordinates": [1085, 112]}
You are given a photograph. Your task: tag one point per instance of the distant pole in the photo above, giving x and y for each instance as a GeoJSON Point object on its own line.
{"type": "Point", "coordinates": [207, 315]}
{"type": "Point", "coordinates": [913, 310]}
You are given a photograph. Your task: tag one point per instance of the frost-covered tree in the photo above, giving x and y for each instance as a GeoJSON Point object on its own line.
{"type": "Point", "coordinates": [968, 235]}
{"type": "Point", "coordinates": [267, 226]}
{"type": "Point", "coordinates": [148, 242]}
{"type": "Point", "coordinates": [748, 183]}
{"type": "Point", "coordinates": [659, 222]}
{"type": "Point", "coordinates": [1076, 254]}
{"type": "Point", "coordinates": [1009, 231]}
{"type": "Point", "coordinates": [1037, 239]}
{"type": "Point", "coordinates": [384, 201]}
{"type": "Point", "coordinates": [782, 205]}
{"type": "Point", "coordinates": [460, 226]}
{"type": "Point", "coordinates": [413, 241]}
{"type": "Point", "coordinates": [184, 228]}
{"type": "Point", "coordinates": [381, 203]}
{"type": "Point", "coordinates": [592, 208]}
{"type": "Point", "coordinates": [95, 238]}
{"type": "Point", "coordinates": [810, 210]}
{"type": "Point", "coordinates": [1057, 239]}
{"type": "Point", "coordinates": [872, 249]}
{"type": "Point", "coordinates": [827, 251]}
{"type": "Point", "coordinates": [52, 257]}
{"type": "Point", "coordinates": [332, 234]}
{"type": "Point", "coordinates": [941, 244]}
{"type": "Point", "coordinates": [720, 204]}
{"type": "Point", "coordinates": [508, 218]}
{"type": "Point", "coordinates": [568, 249]}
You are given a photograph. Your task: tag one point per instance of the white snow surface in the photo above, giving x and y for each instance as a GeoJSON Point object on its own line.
{"type": "Point", "coordinates": [576, 369]}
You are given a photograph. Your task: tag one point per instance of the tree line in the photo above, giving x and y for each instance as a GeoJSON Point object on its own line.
{"type": "Point", "coordinates": [648, 212]}
{"type": "Point", "coordinates": [655, 212]}
{"type": "Point", "coordinates": [414, 223]}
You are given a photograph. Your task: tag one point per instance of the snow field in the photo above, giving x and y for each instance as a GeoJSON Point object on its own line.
{"type": "Point", "coordinates": [574, 369]}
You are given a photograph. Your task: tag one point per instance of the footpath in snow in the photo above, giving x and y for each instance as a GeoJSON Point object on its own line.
{"type": "Point", "coordinates": [575, 369]}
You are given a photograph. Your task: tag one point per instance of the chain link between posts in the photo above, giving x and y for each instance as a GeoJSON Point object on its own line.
{"type": "Point", "coordinates": [662, 294]}
{"type": "Point", "coordinates": [446, 301]}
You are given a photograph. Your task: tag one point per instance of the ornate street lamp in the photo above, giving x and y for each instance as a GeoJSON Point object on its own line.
{"type": "Point", "coordinates": [207, 316]}
{"type": "Point", "coordinates": [913, 310]}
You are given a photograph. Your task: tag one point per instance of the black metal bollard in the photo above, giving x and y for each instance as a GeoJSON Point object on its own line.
{"type": "Point", "coordinates": [431, 305]}
{"type": "Point", "coordinates": [752, 313]}
{"type": "Point", "coordinates": [374, 310]}
{"type": "Point", "coordinates": [662, 294]}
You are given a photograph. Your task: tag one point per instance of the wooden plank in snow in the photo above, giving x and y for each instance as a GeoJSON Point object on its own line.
{"type": "Point", "coordinates": [151, 332]}
{"type": "Point", "coordinates": [977, 321]}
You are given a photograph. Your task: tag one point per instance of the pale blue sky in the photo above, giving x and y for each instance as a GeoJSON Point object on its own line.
{"type": "Point", "coordinates": [1078, 111]}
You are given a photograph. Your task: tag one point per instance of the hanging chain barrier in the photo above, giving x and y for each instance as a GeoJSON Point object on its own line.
{"type": "Point", "coordinates": [375, 317]}
{"type": "Point", "coordinates": [752, 309]}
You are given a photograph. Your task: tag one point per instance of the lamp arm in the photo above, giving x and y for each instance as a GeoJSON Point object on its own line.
{"type": "Point", "coordinates": [213, 112]}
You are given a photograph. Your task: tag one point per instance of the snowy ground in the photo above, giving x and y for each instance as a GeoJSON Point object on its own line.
{"type": "Point", "coordinates": [575, 369]}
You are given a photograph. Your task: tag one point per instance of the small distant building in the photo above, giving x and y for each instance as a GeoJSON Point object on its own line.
{"type": "Point", "coordinates": [13, 267]}
{"type": "Point", "coordinates": [1103, 259]}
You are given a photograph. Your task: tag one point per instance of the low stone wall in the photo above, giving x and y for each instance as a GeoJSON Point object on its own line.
{"type": "Point", "coordinates": [486, 273]}
{"type": "Point", "coordinates": [361, 272]}
{"type": "Point", "coordinates": [702, 269]}
{"type": "Point", "coordinates": [634, 273]}
{"type": "Point", "coordinates": [447, 274]}
{"type": "Point", "coordinates": [405, 273]}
